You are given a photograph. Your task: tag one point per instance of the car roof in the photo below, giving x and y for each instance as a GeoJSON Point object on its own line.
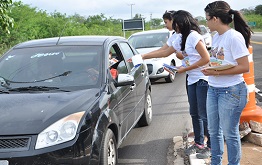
{"type": "Point", "coordinates": [152, 31]}
{"type": "Point", "coordinates": [69, 40]}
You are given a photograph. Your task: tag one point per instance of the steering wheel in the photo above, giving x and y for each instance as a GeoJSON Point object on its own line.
{"type": "Point", "coordinates": [84, 77]}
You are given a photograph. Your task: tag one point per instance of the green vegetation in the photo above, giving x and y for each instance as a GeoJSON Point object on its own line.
{"type": "Point", "coordinates": [20, 22]}
{"type": "Point", "coordinates": [255, 18]}
{"type": "Point", "coordinates": [5, 21]}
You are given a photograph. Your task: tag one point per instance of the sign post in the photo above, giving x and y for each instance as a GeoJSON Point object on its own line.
{"type": "Point", "coordinates": [252, 24]}
{"type": "Point", "coordinates": [133, 24]}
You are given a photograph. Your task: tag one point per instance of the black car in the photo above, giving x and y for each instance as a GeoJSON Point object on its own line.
{"type": "Point", "coordinates": [62, 102]}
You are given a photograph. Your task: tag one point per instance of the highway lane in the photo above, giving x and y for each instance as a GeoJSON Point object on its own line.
{"type": "Point", "coordinates": [256, 43]}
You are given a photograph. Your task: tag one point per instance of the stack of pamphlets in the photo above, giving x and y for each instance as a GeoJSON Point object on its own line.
{"type": "Point", "coordinates": [171, 69]}
{"type": "Point", "coordinates": [220, 67]}
{"type": "Point", "coordinates": [216, 64]}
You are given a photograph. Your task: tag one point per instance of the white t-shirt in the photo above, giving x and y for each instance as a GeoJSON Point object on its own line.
{"type": "Point", "coordinates": [191, 56]}
{"type": "Point", "coordinates": [228, 47]}
{"type": "Point", "coordinates": [174, 39]}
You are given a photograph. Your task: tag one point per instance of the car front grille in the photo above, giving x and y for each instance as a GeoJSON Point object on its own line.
{"type": "Point", "coordinates": [9, 144]}
{"type": "Point", "coordinates": [150, 68]}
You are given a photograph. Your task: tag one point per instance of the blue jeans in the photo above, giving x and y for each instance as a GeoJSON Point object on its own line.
{"type": "Point", "coordinates": [224, 107]}
{"type": "Point", "coordinates": [197, 95]}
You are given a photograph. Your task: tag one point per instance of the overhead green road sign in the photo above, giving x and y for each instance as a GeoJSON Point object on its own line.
{"type": "Point", "coordinates": [252, 24]}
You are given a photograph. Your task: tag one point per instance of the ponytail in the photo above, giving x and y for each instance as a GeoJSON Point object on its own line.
{"type": "Point", "coordinates": [241, 26]}
{"type": "Point", "coordinates": [222, 10]}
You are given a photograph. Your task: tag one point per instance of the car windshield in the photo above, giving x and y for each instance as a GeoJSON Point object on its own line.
{"type": "Point", "coordinates": [56, 66]}
{"type": "Point", "coordinates": [149, 40]}
{"type": "Point", "coordinates": [203, 30]}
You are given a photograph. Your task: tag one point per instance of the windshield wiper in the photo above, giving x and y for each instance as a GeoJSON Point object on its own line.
{"type": "Point", "coordinates": [63, 74]}
{"type": "Point", "coordinates": [36, 88]}
{"type": "Point", "coordinates": [3, 91]}
{"type": "Point", "coordinates": [5, 82]}
{"type": "Point", "coordinates": [33, 88]}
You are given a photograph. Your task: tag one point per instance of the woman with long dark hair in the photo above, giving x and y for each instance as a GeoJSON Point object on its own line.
{"type": "Point", "coordinates": [227, 93]}
{"type": "Point", "coordinates": [195, 54]}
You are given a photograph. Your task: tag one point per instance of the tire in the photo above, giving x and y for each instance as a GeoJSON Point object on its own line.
{"type": "Point", "coordinates": [109, 153]}
{"type": "Point", "coordinates": [170, 78]}
{"type": "Point", "coordinates": [146, 118]}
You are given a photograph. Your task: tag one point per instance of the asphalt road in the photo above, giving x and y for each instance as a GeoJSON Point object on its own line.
{"type": "Point", "coordinates": [256, 42]}
{"type": "Point", "coordinates": [153, 145]}
{"type": "Point", "coordinates": [150, 145]}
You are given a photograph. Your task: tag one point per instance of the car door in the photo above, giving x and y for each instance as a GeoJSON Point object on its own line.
{"type": "Point", "coordinates": [139, 74]}
{"type": "Point", "coordinates": [124, 97]}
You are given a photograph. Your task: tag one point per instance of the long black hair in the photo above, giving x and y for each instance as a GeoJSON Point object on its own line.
{"type": "Point", "coordinates": [222, 10]}
{"type": "Point", "coordinates": [184, 22]}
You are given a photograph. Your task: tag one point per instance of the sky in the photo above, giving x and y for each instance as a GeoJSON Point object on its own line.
{"type": "Point", "coordinates": [125, 9]}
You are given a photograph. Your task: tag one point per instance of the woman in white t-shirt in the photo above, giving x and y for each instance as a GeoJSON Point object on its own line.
{"type": "Point", "coordinates": [196, 55]}
{"type": "Point", "coordinates": [168, 20]}
{"type": "Point", "coordinates": [227, 93]}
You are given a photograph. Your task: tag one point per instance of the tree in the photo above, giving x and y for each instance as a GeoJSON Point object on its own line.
{"type": "Point", "coordinates": [137, 16]}
{"type": "Point", "coordinates": [5, 21]}
{"type": "Point", "coordinates": [258, 9]}
{"type": "Point", "coordinates": [156, 22]}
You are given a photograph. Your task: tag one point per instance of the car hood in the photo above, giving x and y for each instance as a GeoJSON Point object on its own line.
{"type": "Point", "coordinates": [32, 113]}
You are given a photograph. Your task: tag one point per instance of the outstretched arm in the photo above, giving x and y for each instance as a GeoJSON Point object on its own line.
{"type": "Point", "coordinates": [159, 53]}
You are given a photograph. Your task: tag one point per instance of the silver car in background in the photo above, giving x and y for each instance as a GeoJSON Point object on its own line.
{"type": "Point", "coordinates": [151, 40]}
{"type": "Point", "coordinates": [206, 35]}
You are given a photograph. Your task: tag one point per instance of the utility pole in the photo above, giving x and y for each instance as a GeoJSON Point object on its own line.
{"type": "Point", "coordinates": [131, 5]}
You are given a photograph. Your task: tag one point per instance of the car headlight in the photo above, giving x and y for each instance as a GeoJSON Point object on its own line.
{"type": "Point", "coordinates": [61, 131]}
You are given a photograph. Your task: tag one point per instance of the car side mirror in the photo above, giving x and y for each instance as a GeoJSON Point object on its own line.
{"type": "Point", "coordinates": [125, 79]}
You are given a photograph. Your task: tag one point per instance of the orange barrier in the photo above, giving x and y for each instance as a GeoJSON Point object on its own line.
{"type": "Point", "coordinates": [251, 111]}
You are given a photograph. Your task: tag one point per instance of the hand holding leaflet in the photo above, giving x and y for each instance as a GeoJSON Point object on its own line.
{"type": "Point", "coordinates": [137, 60]}
{"type": "Point", "coordinates": [171, 69]}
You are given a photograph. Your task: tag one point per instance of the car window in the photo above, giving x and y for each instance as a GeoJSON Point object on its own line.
{"type": "Point", "coordinates": [59, 66]}
{"type": "Point", "coordinates": [149, 40]}
{"type": "Point", "coordinates": [127, 53]}
{"type": "Point", "coordinates": [121, 68]}
{"type": "Point", "coordinates": [203, 30]}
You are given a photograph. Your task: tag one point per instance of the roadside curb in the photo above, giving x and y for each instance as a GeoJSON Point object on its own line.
{"type": "Point", "coordinates": [192, 158]}
{"type": "Point", "coordinates": [178, 147]}
{"type": "Point", "coordinates": [195, 161]}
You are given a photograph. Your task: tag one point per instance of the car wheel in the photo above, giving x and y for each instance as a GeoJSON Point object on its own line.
{"type": "Point", "coordinates": [170, 78]}
{"type": "Point", "coordinates": [146, 118]}
{"type": "Point", "coordinates": [108, 154]}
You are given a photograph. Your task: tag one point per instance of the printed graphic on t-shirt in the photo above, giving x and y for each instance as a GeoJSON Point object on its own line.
{"type": "Point", "coordinates": [217, 60]}
{"type": "Point", "coordinates": [220, 54]}
{"type": "Point", "coordinates": [186, 59]}
{"type": "Point", "coordinates": [213, 52]}
{"type": "Point", "coordinates": [216, 56]}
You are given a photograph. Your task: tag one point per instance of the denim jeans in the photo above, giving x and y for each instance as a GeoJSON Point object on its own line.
{"type": "Point", "coordinates": [224, 107]}
{"type": "Point", "coordinates": [197, 95]}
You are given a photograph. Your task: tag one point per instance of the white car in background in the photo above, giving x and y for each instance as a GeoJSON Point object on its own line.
{"type": "Point", "coordinates": [151, 40]}
{"type": "Point", "coordinates": [206, 35]}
